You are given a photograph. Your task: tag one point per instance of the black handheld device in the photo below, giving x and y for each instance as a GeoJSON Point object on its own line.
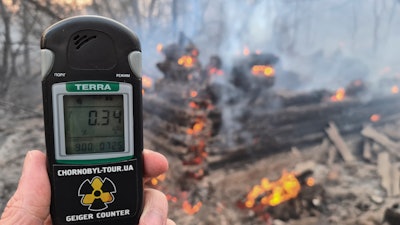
{"type": "Point", "coordinates": [92, 103]}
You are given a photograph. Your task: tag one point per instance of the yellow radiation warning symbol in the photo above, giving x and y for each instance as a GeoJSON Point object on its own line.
{"type": "Point", "coordinates": [97, 194]}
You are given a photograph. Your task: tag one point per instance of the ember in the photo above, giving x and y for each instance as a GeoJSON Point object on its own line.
{"type": "Point", "coordinates": [147, 82]}
{"type": "Point", "coordinates": [159, 47]}
{"type": "Point", "coordinates": [216, 71]}
{"type": "Point", "coordinates": [273, 193]}
{"type": "Point", "coordinates": [375, 117]}
{"type": "Point", "coordinates": [339, 95]}
{"type": "Point", "coordinates": [186, 61]}
{"type": "Point", "coordinates": [310, 182]}
{"type": "Point", "coordinates": [197, 128]}
{"type": "Point", "coordinates": [395, 89]}
{"type": "Point", "coordinates": [263, 70]}
{"type": "Point", "coordinates": [191, 209]}
{"type": "Point", "coordinates": [193, 94]}
{"type": "Point", "coordinates": [156, 180]}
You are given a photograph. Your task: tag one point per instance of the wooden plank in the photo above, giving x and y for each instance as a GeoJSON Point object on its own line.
{"type": "Point", "coordinates": [332, 153]}
{"type": "Point", "coordinates": [367, 150]}
{"type": "Point", "coordinates": [380, 138]}
{"type": "Point", "coordinates": [395, 181]}
{"type": "Point", "coordinates": [337, 140]}
{"type": "Point", "coordinates": [384, 171]}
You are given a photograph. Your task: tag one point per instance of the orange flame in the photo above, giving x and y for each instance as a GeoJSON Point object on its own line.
{"type": "Point", "coordinates": [186, 61]}
{"type": "Point", "coordinates": [191, 209]}
{"type": "Point", "coordinates": [193, 94]}
{"type": "Point", "coordinates": [171, 198]}
{"type": "Point", "coordinates": [147, 82]}
{"type": "Point", "coordinates": [310, 181]}
{"type": "Point", "coordinates": [216, 71]}
{"type": "Point", "coordinates": [265, 70]}
{"type": "Point", "coordinates": [156, 180]}
{"type": "Point", "coordinates": [193, 105]}
{"type": "Point", "coordinates": [339, 95]}
{"type": "Point", "coordinates": [159, 47]}
{"type": "Point", "coordinates": [375, 118]}
{"type": "Point", "coordinates": [395, 89]}
{"type": "Point", "coordinates": [274, 193]}
{"type": "Point", "coordinates": [197, 128]}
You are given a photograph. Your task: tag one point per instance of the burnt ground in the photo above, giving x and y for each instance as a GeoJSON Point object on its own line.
{"type": "Point", "coordinates": [20, 131]}
{"type": "Point", "coordinates": [353, 191]}
{"type": "Point", "coordinates": [353, 194]}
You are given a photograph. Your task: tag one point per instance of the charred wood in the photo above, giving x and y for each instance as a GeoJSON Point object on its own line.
{"type": "Point", "coordinates": [300, 99]}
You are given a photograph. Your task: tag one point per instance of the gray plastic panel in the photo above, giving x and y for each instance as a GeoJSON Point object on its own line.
{"type": "Point", "coordinates": [47, 61]}
{"type": "Point", "coordinates": [135, 62]}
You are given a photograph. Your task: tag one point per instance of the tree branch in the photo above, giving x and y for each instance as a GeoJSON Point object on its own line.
{"type": "Point", "coordinates": [44, 9]}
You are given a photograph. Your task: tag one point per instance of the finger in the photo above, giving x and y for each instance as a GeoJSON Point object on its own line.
{"type": "Point", "coordinates": [31, 201]}
{"type": "Point", "coordinates": [170, 222]}
{"type": "Point", "coordinates": [155, 208]}
{"type": "Point", "coordinates": [154, 163]}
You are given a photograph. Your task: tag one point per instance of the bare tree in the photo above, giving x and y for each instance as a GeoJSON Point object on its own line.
{"type": "Point", "coordinates": [5, 49]}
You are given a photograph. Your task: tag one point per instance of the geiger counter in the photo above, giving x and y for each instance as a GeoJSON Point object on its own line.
{"type": "Point", "coordinates": [92, 102]}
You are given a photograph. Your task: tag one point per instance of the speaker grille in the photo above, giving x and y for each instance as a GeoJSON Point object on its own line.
{"type": "Point", "coordinates": [82, 40]}
{"type": "Point", "coordinates": [91, 50]}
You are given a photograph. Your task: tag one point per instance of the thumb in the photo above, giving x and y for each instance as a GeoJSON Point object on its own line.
{"type": "Point", "coordinates": [31, 202]}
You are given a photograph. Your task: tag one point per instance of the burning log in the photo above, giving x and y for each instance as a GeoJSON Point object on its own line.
{"type": "Point", "coordinates": [286, 198]}
{"type": "Point", "coordinates": [181, 62]}
{"type": "Point", "coordinates": [179, 116]}
{"type": "Point", "coordinates": [297, 99]}
{"type": "Point", "coordinates": [254, 73]}
{"type": "Point", "coordinates": [302, 125]}
{"type": "Point", "coordinates": [172, 113]}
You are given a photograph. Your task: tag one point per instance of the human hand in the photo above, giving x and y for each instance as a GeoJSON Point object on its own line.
{"type": "Point", "coordinates": [30, 205]}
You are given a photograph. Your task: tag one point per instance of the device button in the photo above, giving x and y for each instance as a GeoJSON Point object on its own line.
{"type": "Point", "coordinates": [135, 62]}
{"type": "Point", "coordinates": [47, 61]}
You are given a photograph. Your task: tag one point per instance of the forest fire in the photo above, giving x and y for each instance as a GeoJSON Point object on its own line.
{"type": "Point", "coordinates": [269, 193]}
{"type": "Point", "coordinates": [191, 209]}
{"type": "Point", "coordinates": [187, 61]}
{"type": "Point", "coordinates": [196, 128]}
{"type": "Point", "coordinates": [339, 95]}
{"type": "Point", "coordinates": [264, 70]}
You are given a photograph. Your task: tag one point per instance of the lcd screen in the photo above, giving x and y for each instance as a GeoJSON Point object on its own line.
{"type": "Point", "coordinates": [94, 124]}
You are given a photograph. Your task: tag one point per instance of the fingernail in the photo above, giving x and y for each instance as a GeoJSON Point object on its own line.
{"type": "Point", "coordinates": [153, 217]}
{"type": "Point", "coordinates": [27, 160]}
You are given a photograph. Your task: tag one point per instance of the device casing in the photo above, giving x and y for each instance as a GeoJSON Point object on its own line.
{"type": "Point", "coordinates": [107, 51]}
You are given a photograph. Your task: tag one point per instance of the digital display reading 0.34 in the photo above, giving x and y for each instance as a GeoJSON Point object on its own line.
{"type": "Point", "coordinates": [94, 124]}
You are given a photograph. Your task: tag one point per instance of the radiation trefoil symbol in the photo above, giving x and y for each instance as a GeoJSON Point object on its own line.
{"type": "Point", "coordinates": [97, 194]}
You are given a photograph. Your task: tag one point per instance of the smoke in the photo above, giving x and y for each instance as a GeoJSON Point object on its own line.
{"type": "Point", "coordinates": [326, 43]}
{"type": "Point", "coordinates": [320, 44]}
